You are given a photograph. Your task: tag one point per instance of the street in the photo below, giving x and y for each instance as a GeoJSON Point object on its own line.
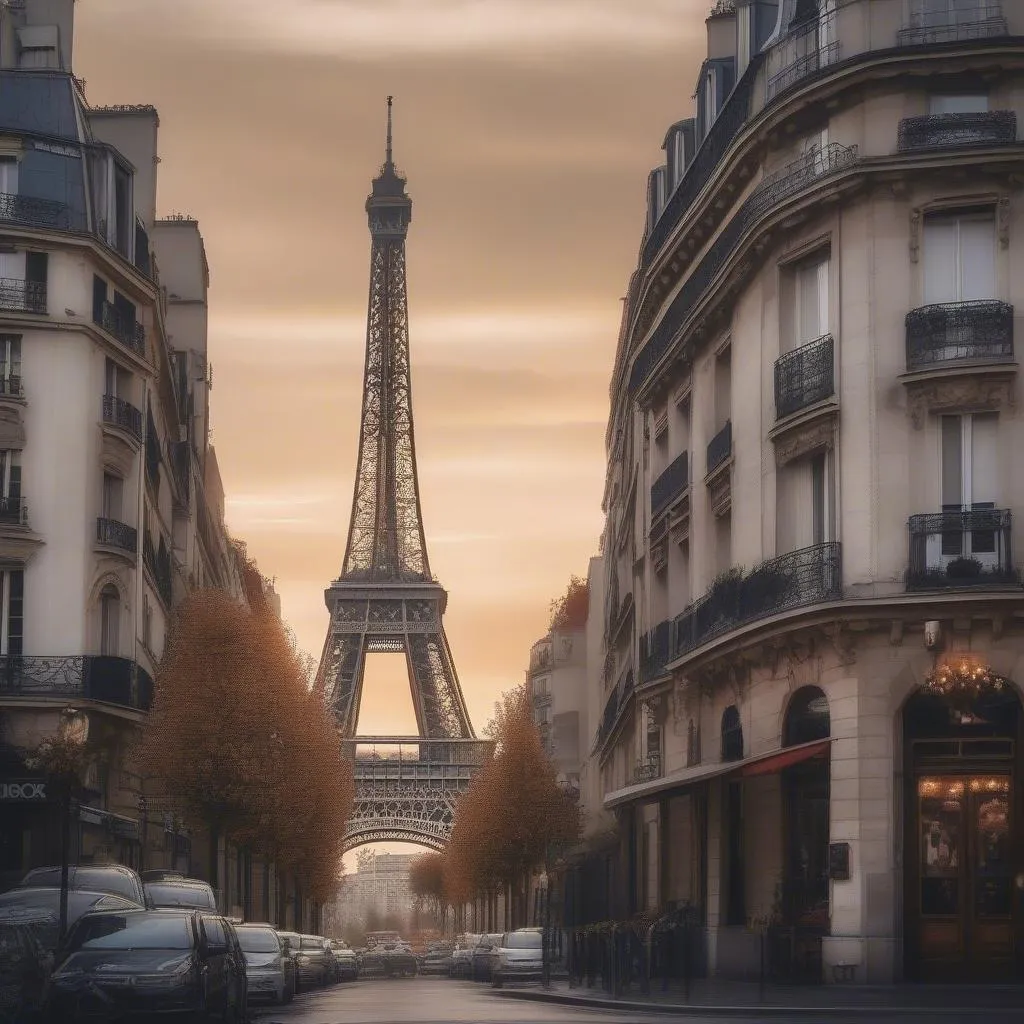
{"type": "Point", "coordinates": [441, 1001]}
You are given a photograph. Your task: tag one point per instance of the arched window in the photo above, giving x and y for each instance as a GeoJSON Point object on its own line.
{"type": "Point", "coordinates": [110, 620]}
{"type": "Point", "coordinates": [807, 717]}
{"type": "Point", "coordinates": [732, 734]}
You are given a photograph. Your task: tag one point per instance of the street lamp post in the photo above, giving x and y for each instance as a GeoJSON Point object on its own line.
{"type": "Point", "coordinates": [545, 939]}
{"type": "Point", "coordinates": [143, 822]}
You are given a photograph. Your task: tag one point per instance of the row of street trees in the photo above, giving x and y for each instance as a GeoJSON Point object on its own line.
{"type": "Point", "coordinates": [238, 743]}
{"type": "Point", "coordinates": [508, 824]}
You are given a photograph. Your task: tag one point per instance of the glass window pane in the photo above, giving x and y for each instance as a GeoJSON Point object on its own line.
{"type": "Point", "coordinates": [940, 260]}
{"type": "Point", "coordinates": [952, 463]}
{"type": "Point", "coordinates": [977, 258]}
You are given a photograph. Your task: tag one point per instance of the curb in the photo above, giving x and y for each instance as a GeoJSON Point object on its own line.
{"type": "Point", "coordinates": [752, 1009]}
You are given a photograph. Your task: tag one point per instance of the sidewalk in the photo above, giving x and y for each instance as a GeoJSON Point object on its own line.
{"type": "Point", "coordinates": [722, 998]}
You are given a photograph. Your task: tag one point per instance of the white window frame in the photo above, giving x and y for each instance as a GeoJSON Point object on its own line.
{"type": "Point", "coordinates": [5, 610]}
{"type": "Point", "coordinates": [10, 356]}
{"type": "Point", "coordinates": [821, 263]}
{"type": "Point", "coordinates": [959, 218]}
{"type": "Point", "coordinates": [9, 176]}
{"type": "Point", "coordinates": [110, 627]}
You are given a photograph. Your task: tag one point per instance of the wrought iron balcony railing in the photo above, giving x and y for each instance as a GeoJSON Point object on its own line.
{"type": "Point", "coordinates": [951, 332]}
{"type": "Point", "coordinates": [647, 768]}
{"type": "Point", "coordinates": [944, 23]}
{"type": "Point", "coordinates": [13, 511]}
{"type": "Point", "coordinates": [805, 577]}
{"type": "Point", "coordinates": [95, 677]}
{"type": "Point", "coordinates": [775, 189]}
{"type": "Point", "coordinates": [119, 413]}
{"type": "Point", "coordinates": [803, 52]}
{"type": "Point", "coordinates": [37, 213]}
{"type": "Point", "coordinates": [720, 447]}
{"type": "Point", "coordinates": [127, 330]}
{"type": "Point", "coordinates": [670, 484]}
{"type": "Point", "coordinates": [654, 651]}
{"type": "Point", "coordinates": [960, 548]}
{"type": "Point", "coordinates": [116, 534]}
{"type": "Point", "coordinates": [804, 376]}
{"type": "Point", "coordinates": [944, 131]}
{"type": "Point", "coordinates": [11, 386]}
{"type": "Point", "coordinates": [20, 296]}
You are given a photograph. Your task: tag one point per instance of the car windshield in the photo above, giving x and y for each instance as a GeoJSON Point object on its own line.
{"type": "Point", "coordinates": [175, 894]}
{"type": "Point", "coordinates": [131, 931]}
{"type": "Point", "coordinates": [93, 879]}
{"type": "Point", "coordinates": [312, 942]}
{"type": "Point", "coordinates": [258, 940]}
{"type": "Point", "coordinates": [522, 940]}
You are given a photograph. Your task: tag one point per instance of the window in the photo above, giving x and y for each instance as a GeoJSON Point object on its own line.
{"type": "Point", "coordinates": [110, 620]}
{"type": "Point", "coordinates": [10, 364]}
{"type": "Point", "coordinates": [744, 20]}
{"type": "Point", "coordinates": [815, 148]}
{"type": "Point", "coordinates": [969, 476]}
{"type": "Point", "coordinates": [805, 504]}
{"type": "Point", "coordinates": [656, 194]}
{"type": "Point", "coordinates": [959, 257]}
{"type": "Point", "coordinates": [12, 596]}
{"type": "Point", "coordinates": [99, 299]}
{"type": "Point", "coordinates": [10, 485]}
{"type": "Point", "coordinates": [723, 388]}
{"type": "Point", "coordinates": [710, 98]}
{"type": "Point", "coordinates": [976, 103]}
{"type": "Point", "coordinates": [12, 265]}
{"type": "Point", "coordinates": [113, 496]}
{"type": "Point", "coordinates": [732, 734]}
{"type": "Point", "coordinates": [9, 175]}
{"type": "Point", "coordinates": [806, 304]}
{"type": "Point", "coordinates": [124, 218]}
{"type": "Point", "coordinates": [147, 623]}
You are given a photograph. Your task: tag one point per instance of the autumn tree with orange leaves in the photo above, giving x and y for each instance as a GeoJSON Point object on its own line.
{"type": "Point", "coordinates": [511, 816]}
{"type": "Point", "coordinates": [238, 741]}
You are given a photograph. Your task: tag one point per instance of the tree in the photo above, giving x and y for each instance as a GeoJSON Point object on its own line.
{"type": "Point", "coordinates": [570, 610]}
{"type": "Point", "coordinates": [426, 881]}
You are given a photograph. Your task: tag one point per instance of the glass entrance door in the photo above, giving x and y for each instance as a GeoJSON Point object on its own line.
{"type": "Point", "coordinates": [965, 888]}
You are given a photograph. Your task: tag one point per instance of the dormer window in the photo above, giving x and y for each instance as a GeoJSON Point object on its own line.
{"type": "Point", "coordinates": [656, 195]}
{"type": "Point", "coordinates": [710, 97]}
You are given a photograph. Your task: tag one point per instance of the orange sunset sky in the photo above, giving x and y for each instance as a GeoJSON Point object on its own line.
{"type": "Point", "coordinates": [526, 129]}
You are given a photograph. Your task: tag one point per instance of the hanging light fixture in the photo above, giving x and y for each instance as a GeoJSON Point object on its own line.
{"type": "Point", "coordinates": [961, 679]}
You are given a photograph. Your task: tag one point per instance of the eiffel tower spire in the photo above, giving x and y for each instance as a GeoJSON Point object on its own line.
{"type": "Point", "coordinates": [386, 599]}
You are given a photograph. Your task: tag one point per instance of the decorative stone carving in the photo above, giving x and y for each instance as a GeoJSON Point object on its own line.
{"type": "Point", "coordinates": [1003, 221]}
{"type": "Point", "coordinates": [976, 392]}
{"type": "Point", "coordinates": [915, 234]}
{"type": "Point", "coordinates": [805, 439]}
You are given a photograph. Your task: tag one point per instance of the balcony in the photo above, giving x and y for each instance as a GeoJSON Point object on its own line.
{"type": "Point", "coordinates": [37, 213]}
{"type": "Point", "coordinates": [114, 534]}
{"type": "Point", "coordinates": [947, 131]}
{"type": "Point", "coordinates": [647, 769]}
{"type": "Point", "coordinates": [670, 484]}
{"type": "Point", "coordinates": [654, 651]}
{"type": "Point", "coordinates": [11, 387]}
{"type": "Point", "coordinates": [804, 376]}
{"type": "Point", "coordinates": [118, 681]}
{"type": "Point", "coordinates": [19, 296]}
{"type": "Point", "coordinates": [119, 413]}
{"type": "Point", "coordinates": [954, 332]}
{"type": "Point", "coordinates": [967, 19]}
{"type": "Point", "coordinates": [806, 50]}
{"type": "Point", "coordinates": [720, 448]}
{"type": "Point", "coordinates": [617, 701]}
{"type": "Point", "coordinates": [121, 325]}
{"type": "Point", "coordinates": [960, 548]}
{"type": "Point", "coordinates": [13, 512]}
{"type": "Point", "coordinates": [800, 578]}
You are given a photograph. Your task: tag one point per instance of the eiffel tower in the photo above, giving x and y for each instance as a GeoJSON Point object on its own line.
{"type": "Point", "coordinates": [386, 599]}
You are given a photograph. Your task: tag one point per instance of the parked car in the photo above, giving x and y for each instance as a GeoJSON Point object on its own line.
{"type": "Point", "coordinates": [312, 961]}
{"type": "Point", "coordinates": [159, 874]}
{"type": "Point", "coordinates": [113, 878]}
{"type": "Point", "coordinates": [437, 960]}
{"type": "Point", "coordinates": [462, 955]}
{"type": "Point", "coordinates": [140, 962]}
{"type": "Point", "coordinates": [290, 943]}
{"type": "Point", "coordinates": [480, 959]}
{"type": "Point", "coordinates": [398, 960]}
{"type": "Point", "coordinates": [270, 973]}
{"type": "Point", "coordinates": [348, 963]}
{"type": "Point", "coordinates": [24, 964]}
{"type": "Point", "coordinates": [519, 955]}
{"type": "Point", "coordinates": [41, 908]}
{"type": "Point", "coordinates": [181, 892]}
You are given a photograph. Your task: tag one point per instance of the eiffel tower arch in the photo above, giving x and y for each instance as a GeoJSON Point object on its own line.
{"type": "Point", "coordinates": [386, 599]}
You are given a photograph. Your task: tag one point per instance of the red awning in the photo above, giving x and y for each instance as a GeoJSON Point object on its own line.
{"type": "Point", "coordinates": [784, 758]}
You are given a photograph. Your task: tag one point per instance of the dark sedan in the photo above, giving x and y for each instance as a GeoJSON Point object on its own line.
{"type": "Point", "coordinates": [181, 892]}
{"type": "Point", "coordinates": [113, 878]}
{"type": "Point", "coordinates": [156, 964]}
{"type": "Point", "coordinates": [41, 907]}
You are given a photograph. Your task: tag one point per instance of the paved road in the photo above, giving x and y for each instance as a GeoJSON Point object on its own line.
{"type": "Point", "coordinates": [441, 1001]}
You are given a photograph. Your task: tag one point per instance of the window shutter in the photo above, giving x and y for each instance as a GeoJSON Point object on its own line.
{"type": "Point", "coordinates": [36, 264]}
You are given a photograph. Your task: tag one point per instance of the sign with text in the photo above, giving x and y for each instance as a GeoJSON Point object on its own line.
{"type": "Point", "coordinates": [22, 790]}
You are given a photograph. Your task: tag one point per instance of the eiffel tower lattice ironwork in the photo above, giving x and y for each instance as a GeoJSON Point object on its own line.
{"type": "Point", "coordinates": [386, 599]}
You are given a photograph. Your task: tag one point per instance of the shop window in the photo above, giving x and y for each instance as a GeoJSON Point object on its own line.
{"type": "Point", "coordinates": [732, 734]}
{"type": "Point", "coordinates": [807, 717]}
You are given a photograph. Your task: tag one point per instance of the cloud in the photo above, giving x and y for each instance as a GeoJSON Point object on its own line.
{"type": "Point", "coordinates": [371, 29]}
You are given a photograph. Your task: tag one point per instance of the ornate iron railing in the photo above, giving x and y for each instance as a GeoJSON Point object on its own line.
{"type": "Point", "coordinates": [11, 386]}
{"type": "Point", "coordinates": [94, 677]}
{"type": "Point", "coordinates": [775, 189]}
{"type": "Point", "coordinates": [942, 131]}
{"type": "Point", "coordinates": [654, 651]}
{"type": "Point", "coordinates": [807, 49]}
{"type": "Point", "coordinates": [719, 138]}
{"type": "Point", "coordinates": [39, 213]}
{"type": "Point", "coordinates": [13, 511]}
{"type": "Point", "coordinates": [804, 376]}
{"type": "Point", "coordinates": [960, 548]}
{"type": "Point", "coordinates": [949, 332]}
{"type": "Point", "coordinates": [719, 447]}
{"type": "Point", "coordinates": [116, 534]}
{"type": "Point", "coordinates": [647, 768]}
{"type": "Point", "coordinates": [119, 413]}
{"type": "Point", "coordinates": [980, 19]}
{"type": "Point", "coordinates": [808, 576]}
{"type": "Point", "coordinates": [670, 484]}
{"type": "Point", "coordinates": [127, 331]}
{"type": "Point", "coordinates": [21, 296]}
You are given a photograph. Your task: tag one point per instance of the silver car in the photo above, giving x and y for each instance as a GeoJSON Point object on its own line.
{"type": "Point", "coordinates": [519, 955]}
{"type": "Point", "coordinates": [265, 966]}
